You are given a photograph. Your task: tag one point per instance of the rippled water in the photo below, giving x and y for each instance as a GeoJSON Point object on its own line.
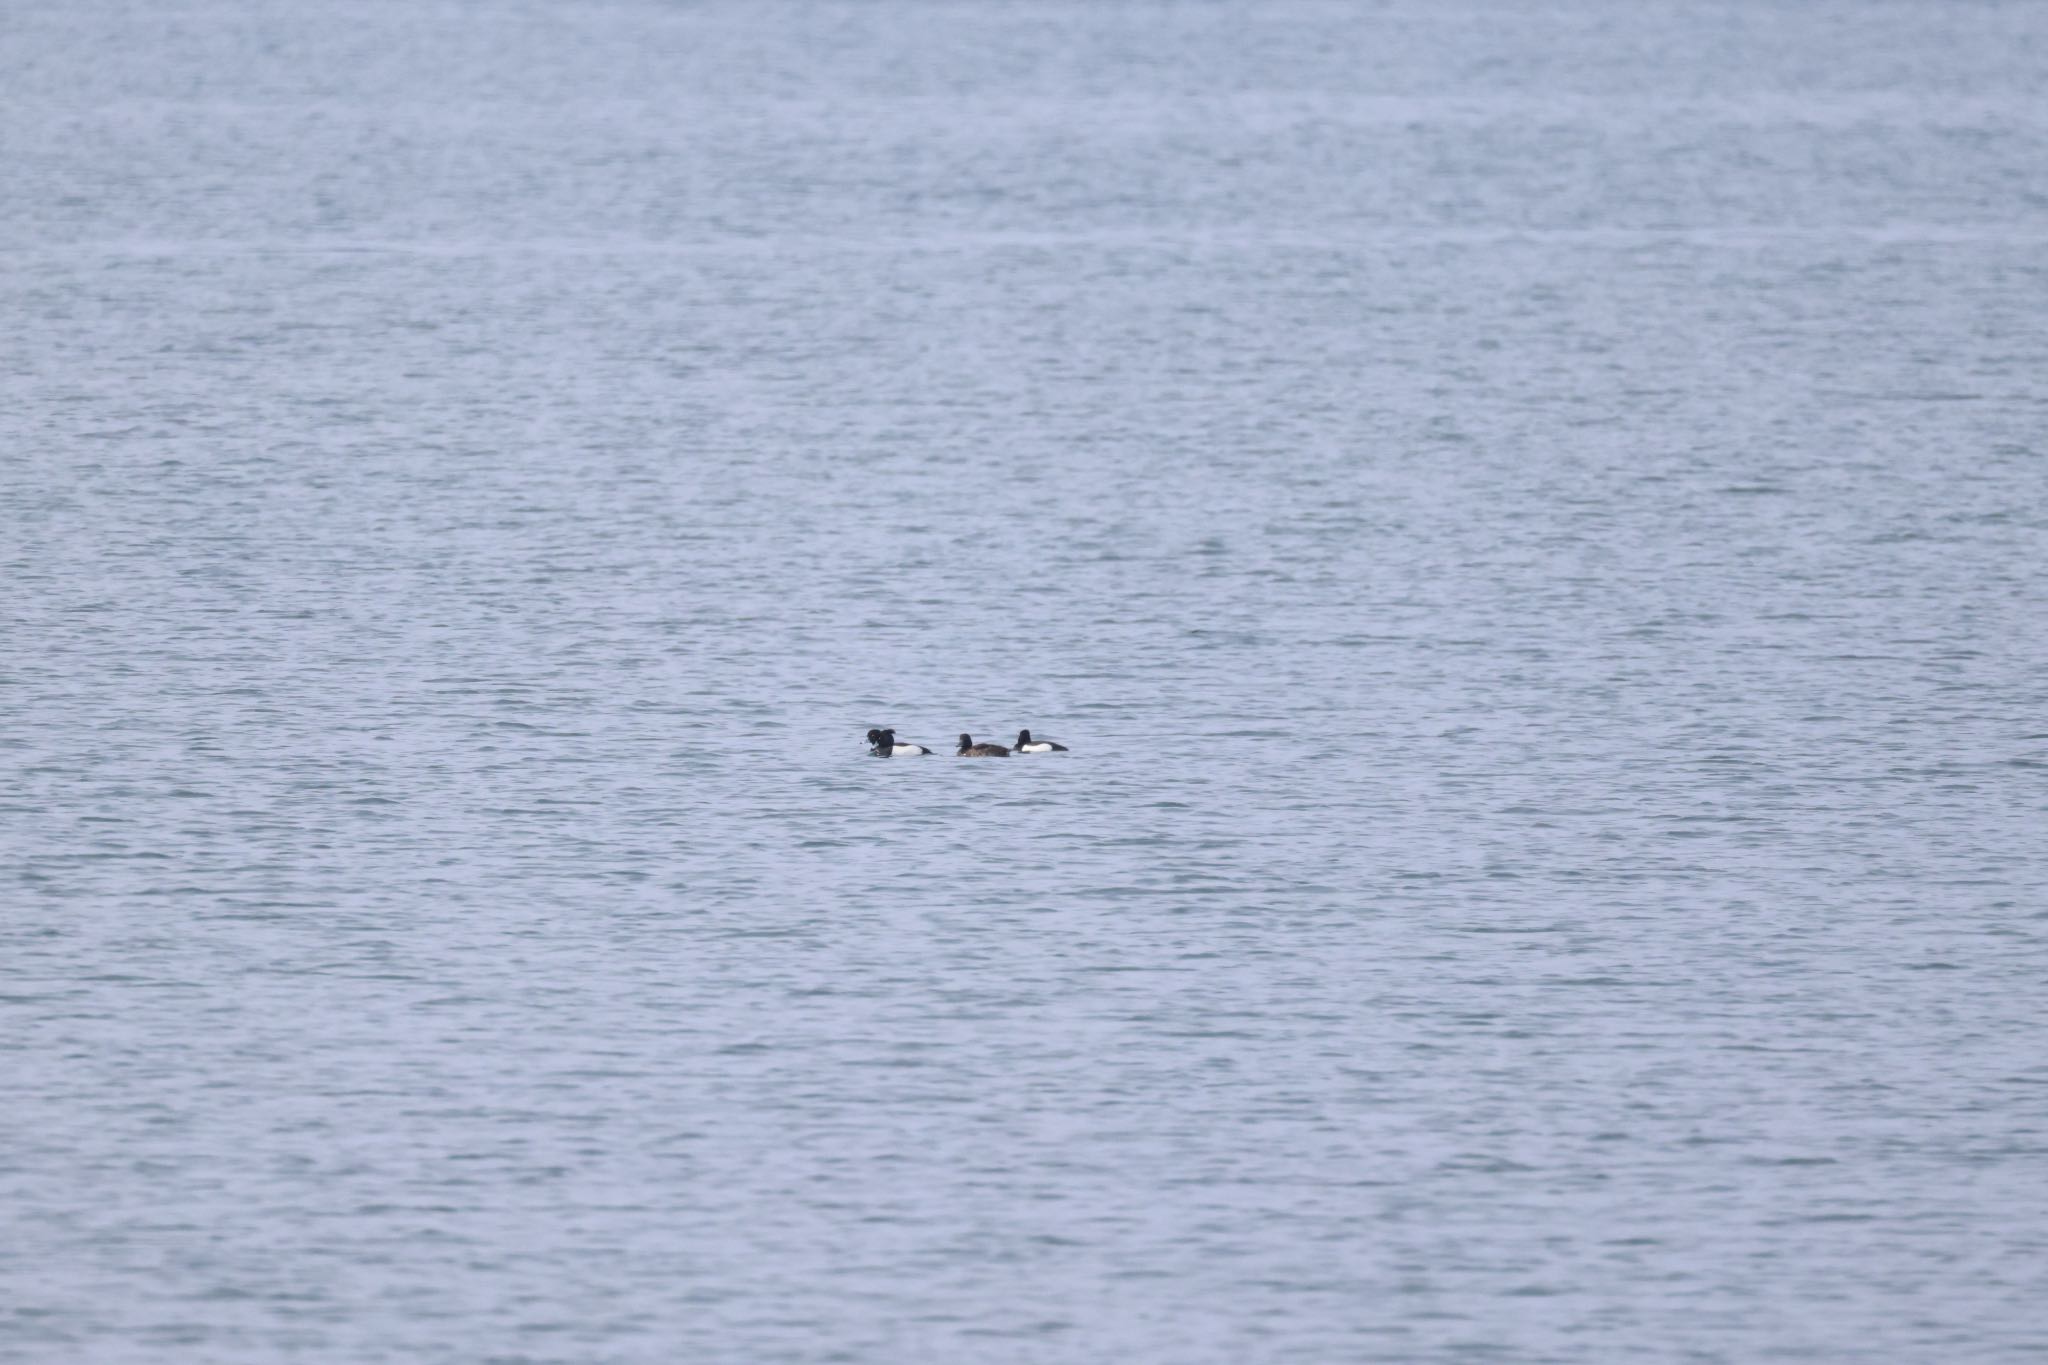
{"type": "Point", "coordinates": [1530, 518]}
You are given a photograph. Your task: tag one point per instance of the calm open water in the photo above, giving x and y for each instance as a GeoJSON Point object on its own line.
{"type": "Point", "coordinates": [1530, 517]}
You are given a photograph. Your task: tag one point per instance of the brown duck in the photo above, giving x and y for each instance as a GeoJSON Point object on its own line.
{"type": "Point", "coordinates": [969, 749]}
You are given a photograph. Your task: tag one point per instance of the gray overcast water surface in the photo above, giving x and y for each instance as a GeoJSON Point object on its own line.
{"type": "Point", "coordinates": [1530, 517]}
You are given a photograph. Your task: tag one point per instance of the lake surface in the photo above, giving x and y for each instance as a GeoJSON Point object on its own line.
{"type": "Point", "coordinates": [1530, 518]}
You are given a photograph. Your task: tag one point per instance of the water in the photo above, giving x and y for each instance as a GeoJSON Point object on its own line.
{"type": "Point", "coordinates": [1529, 517]}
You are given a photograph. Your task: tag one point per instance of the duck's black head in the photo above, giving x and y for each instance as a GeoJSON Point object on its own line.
{"type": "Point", "coordinates": [1023, 738]}
{"type": "Point", "coordinates": [966, 743]}
{"type": "Point", "coordinates": [874, 736]}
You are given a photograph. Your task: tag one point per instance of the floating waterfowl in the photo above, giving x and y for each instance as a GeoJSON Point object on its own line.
{"type": "Point", "coordinates": [885, 745]}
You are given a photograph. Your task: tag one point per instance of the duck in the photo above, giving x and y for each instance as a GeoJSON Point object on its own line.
{"type": "Point", "coordinates": [1027, 745]}
{"type": "Point", "coordinates": [887, 747]}
{"type": "Point", "coordinates": [969, 749]}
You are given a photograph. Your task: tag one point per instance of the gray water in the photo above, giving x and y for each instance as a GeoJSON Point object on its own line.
{"type": "Point", "coordinates": [1529, 517]}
